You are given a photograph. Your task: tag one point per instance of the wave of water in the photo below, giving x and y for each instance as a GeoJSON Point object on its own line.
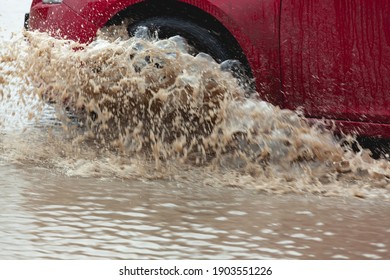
{"type": "Point", "coordinates": [145, 108]}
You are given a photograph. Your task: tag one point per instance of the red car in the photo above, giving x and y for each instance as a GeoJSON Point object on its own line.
{"type": "Point", "coordinates": [331, 58]}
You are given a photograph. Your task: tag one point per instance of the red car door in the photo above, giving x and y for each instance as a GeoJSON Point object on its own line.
{"type": "Point", "coordinates": [335, 58]}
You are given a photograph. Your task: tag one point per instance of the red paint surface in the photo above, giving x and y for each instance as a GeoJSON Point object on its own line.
{"type": "Point", "coordinates": [60, 21]}
{"type": "Point", "coordinates": [331, 58]}
{"type": "Point", "coordinates": [336, 58]}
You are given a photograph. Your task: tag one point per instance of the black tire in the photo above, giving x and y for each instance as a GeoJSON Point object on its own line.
{"type": "Point", "coordinates": [201, 39]}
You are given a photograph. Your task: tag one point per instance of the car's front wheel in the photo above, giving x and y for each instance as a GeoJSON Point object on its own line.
{"type": "Point", "coordinates": [200, 39]}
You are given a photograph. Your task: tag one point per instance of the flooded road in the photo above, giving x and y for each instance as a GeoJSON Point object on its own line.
{"type": "Point", "coordinates": [48, 216]}
{"type": "Point", "coordinates": [226, 177]}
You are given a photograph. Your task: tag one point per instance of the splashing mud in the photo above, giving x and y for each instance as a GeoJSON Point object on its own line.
{"type": "Point", "coordinates": [146, 108]}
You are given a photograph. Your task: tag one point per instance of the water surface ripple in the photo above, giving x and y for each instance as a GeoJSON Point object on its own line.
{"type": "Point", "coordinates": [57, 217]}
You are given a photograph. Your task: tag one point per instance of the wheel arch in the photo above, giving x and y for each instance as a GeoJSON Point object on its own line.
{"type": "Point", "coordinates": [252, 34]}
{"type": "Point", "coordinates": [207, 16]}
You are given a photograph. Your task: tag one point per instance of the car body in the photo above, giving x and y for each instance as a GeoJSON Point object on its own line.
{"type": "Point", "coordinates": [329, 58]}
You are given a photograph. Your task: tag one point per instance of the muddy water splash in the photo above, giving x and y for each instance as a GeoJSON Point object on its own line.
{"type": "Point", "coordinates": [146, 108]}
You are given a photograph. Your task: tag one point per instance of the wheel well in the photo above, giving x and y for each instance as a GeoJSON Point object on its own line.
{"type": "Point", "coordinates": [184, 11]}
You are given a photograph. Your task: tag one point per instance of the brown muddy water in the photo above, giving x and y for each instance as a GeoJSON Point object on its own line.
{"type": "Point", "coordinates": [150, 152]}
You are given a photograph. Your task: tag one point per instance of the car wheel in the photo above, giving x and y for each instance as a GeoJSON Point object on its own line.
{"type": "Point", "coordinates": [201, 40]}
